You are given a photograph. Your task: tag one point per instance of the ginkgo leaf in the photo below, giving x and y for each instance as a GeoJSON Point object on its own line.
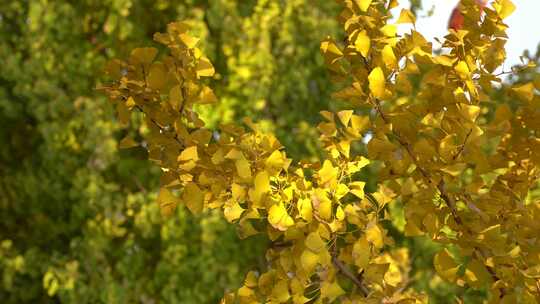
{"type": "Point", "coordinates": [262, 186]}
{"type": "Point", "coordinates": [205, 68]}
{"type": "Point", "coordinates": [193, 197]}
{"type": "Point", "coordinates": [207, 96]}
{"type": "Point", "coordinates": [167, 201]}
{"type": "Point", "coordinates": [361, 253]}
{"type": "Point", "coordinates": [275, 160]}
{"type": "Point", "coordinates": [462, 70]}
{"type": "Point", "coordinates": [525, 91]}
{"type": "Point", "coordinates": [176, 98]}
{"type": "Point", "coordinates": [345, 116]}
{"type": "Point", "coordinates": [243, 168]}
{"type": "Point", "coordinates": [237, 192]}
{"type": "Point", "coordinates": [374, 273]}
{"type": "Point", "coordinates": [280, 292]}
{"type": "Point", "coordinates": [328, 173]}
{"type": "Point", "coordinates": [357, 188]}
{"type": "Point", "coordinates": [232, 211]}
{"type": "Point", "coordinates": [325, 209]}
{"type": "Point", "coordinates": [374, 235]}
{"type": "Point", "coordinates": [279, 218]}
{"type": "Point", "coordinates": [444, 60]}
{"type": "Point", "coordinates": [157, 76]}
{"type": "Point", "coordinates": [477, 275]}
{"type": "Point", "coordinates": [127, 142]}
{"type": "Point", "coordinates": [363, 43]}
{"type": "Point", "coordinates": [188, 40]}
{"type": "Point", "coordinates": [123, 112]}
{"type": "Point", "coordinates": [309, 260]}
{"type": "Point", "coordinates": [143, 56]}
{"type": "Point", "coordinates": [388, 56]}
{"type": "Point", "coordinates": [314, 242]}
{"type": "Point", "coordinates": [363, 4]}
{"type": "Point", "coordinates": [189, 153]}
{"type": "Point", "coordinates": [305, 209]}
{"type": "Point", "coordinates": [406, 16]}
{"type": "Point", "coordinates": [377, 82]}
{"type": "Point", "coordinates": [445, 265]}
{"type": "Point", "coordinates": [389, 30]}
{"type": "Point", "coordinates": [251, 279]}
{"type": "Point", "coordinates": [505, 8]}
{"type": "Point", "coordinates": [331, 291]}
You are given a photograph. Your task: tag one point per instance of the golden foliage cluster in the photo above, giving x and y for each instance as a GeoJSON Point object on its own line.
{"type": "Point", "coordinates": [462, 167]}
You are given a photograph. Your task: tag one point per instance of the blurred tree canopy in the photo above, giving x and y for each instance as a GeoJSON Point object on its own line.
{"type": "Point", "coordinates": [78, 218]}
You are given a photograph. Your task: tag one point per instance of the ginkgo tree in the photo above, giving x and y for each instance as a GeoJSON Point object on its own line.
{"type": "Point", "coordinates": [462, 168]}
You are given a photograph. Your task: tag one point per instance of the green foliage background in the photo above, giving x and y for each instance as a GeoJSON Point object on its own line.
{"type": "Point", "coordinates": [78, 218]}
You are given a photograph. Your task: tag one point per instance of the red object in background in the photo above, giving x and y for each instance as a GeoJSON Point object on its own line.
{"type": "Point", "coordinates": [456, 19]}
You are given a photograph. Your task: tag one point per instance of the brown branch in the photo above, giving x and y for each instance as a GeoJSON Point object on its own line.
{"type": "Point", "coordinates": [462, 147]}
{"type": "Point", "coordinates": [449, 201]}
{"type": "Point", "coordinates": [346, 272]}
{"type": "Point", "coordinates": [163, 131]}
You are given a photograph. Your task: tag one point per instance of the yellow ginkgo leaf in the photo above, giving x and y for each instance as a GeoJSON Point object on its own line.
{"type": "Point", "coordinates": [127, 142]}
{"type": "Point", "coordinates": [251, 279]}
{"type": "Point", "coordinates": [167, 201]}
{"type": "Point", "coordinates": [331, 290]}
{"type": "Point", "coordinates": [388, 56]}
{"type": "Point", "coordinates": [476, 274]}
{"type": "Point", "coordinates": [345, 116]}
{"type": "Point", "coordinates": [280, 292]}
{"type": "Point", "coordinates": [361, 253]}
{"type": "Point", "coordinates": [157, 76]}
{"type": "Point", "coordinates": [279, 218]}
{"type": "Point", "coordinates": [377, 82]}
{"type": "Point", "coordinates": [143, 56]}
{"type": "Point", "coordinates": [275, 160]}
{"type": "Point", "coordinates": [309, 260]}
{"type": "Point", "coordinates": [193, 197]}
{"type": "Point", "coordinates": [445, 60]}
{"type": "Point", "coordinates": [207, 96]}
{"type": "Point", "coordinates": [445, 265]}
{"type": "Point", "coordinates": [374, 273]}
{"type": "Point", "coordinates": [462, 69]}
{"type": "Point", "coordinates": [406, 16]}
{"type": "Point", "coordinates": [328, 173]}
{"type": "Point", "coordinates": [232, 211]}
{"type": "Point", "coordinates": [189, 153]}
{"type": "Point", "coordinates": [188, 40]}
{"type": "Point", "coordinates": [525, 91]}
{"type": "Point", "coordinates": [243, 168]}
{"type": "Point", "coordinates": [176, 98]}
{"type": "Point", "coordinates": [205, 68]}
{"type": "Point", "coordinates": [237, 192]}
{"type": "Point", "coordinates": [314, 242]}
{"type": "Point", "coordinates": [357, 188]}
{"type": "Point", "coordinates": [389, 30]}
{"type": "Point", "coordinates": [363, 4]}
{"type": "Point", "coordinates": [362, 43]}
{"type": "Point", "coordinates": [262, 186]}
{"type": "Point", "coordinates": [305, 209]}
{"type": "Point", "coordinates": [374, 235]}
{"type": "Point", "coordinates": [504, 8]}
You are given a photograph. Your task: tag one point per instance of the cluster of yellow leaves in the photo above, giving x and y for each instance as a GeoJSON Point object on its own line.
{"type": "Point", "coordinates": [327, 240]}
{"type": "Point", "coordinates": [438, 139]}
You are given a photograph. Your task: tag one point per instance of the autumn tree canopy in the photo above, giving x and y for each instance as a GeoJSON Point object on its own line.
{"type": "Point", "coordinates": [462, 168]}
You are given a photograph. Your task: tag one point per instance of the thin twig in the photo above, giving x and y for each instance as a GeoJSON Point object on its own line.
{"type": "Point", "coordinates": [346, 272]}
